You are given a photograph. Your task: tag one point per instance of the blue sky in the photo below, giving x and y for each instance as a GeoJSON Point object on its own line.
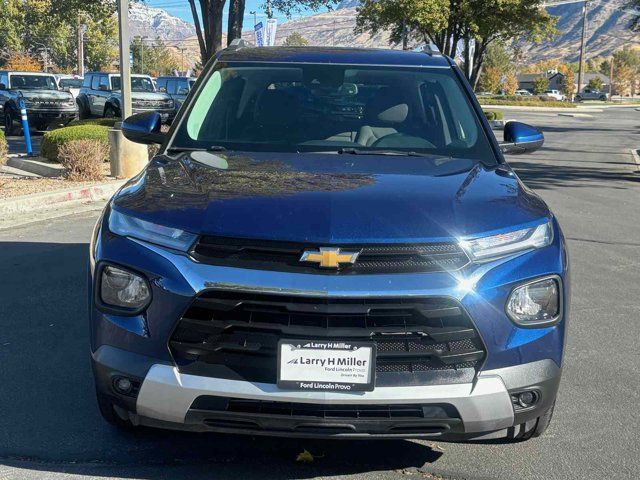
{"type": "Point", "coordinates": [180, 8]}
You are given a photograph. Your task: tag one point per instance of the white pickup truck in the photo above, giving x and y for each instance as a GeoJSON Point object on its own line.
{"type": "Point", "coordinates": [555, 94]}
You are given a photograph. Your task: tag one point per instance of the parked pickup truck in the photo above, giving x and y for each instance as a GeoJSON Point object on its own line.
{"type": "Point", "coordinates": [555, 94]}
{"type": "Point", "coordinates": [46, 104]}
{"type": "Point", "coordinates": [591, 94]}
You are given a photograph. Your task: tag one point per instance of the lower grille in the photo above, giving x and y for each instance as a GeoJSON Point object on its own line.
{"type": "Point", "coordinates": [413, 337]}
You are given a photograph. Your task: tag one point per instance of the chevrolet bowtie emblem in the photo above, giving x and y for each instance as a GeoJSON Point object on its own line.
{"type": "Point", "coordinates": [328, 257]}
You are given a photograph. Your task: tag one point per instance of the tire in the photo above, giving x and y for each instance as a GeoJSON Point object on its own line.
{"type": "Point", "coordinates": [603, 98]}
{"type": "Point", "coordinates": [541, 425]}
{"type": "Point", "coordinates": [83, 113]}
{"type": "Point", "coordinates": [9, 123]}
{"type": "Point", "coordinates": [110, 112]}
{"type": "Point", "coordinates": [110, 415]}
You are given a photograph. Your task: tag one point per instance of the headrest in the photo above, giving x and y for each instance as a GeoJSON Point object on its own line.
{"type": "Point", "coordinates": [387, 107]}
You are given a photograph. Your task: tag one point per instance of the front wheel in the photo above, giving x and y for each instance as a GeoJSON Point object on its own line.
{"type": "Point", "coordinates": [108, 412]}
{"type": "Point", "coordinates": [110, 112]}
{"type": "Point", "coordinates": [83, 112]}
{"type": "Point", "coordinates": [9, 123]}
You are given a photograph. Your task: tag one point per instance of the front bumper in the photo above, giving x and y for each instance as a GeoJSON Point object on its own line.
{"type": "Point", "coordinates": [51, 117]}
{"type": "Point", "coordinates": [479, 410]}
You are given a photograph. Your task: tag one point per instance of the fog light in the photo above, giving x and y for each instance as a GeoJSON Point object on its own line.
{"type": "Point", "coordinates": [526, 399]}
{"type": "Point", "coordinates": [123, 385]}
{"type": "Point", "coordinates": [121, 288]}
{"type": "Point", "coordinates": [536, 304]}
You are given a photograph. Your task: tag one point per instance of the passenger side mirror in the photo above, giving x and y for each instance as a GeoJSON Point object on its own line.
{"type": "Point", "coordinates": [162, 89]}
{"type": "Point", "coordinates": [183, 91]}
{"type": "Point", "coordinates": [521, 138]}
{"type": "Point", "coordinates": [144, 128]}
{"type": "Point", "coordinates": [103, 88]}
{"type": "Point", "coordinates": [66, 89]}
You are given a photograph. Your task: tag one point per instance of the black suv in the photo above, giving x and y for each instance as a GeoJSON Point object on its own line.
{"type": "Point", "coordinates": [100, 96]}
{"type": "Point", "coordinates": [46, 104]}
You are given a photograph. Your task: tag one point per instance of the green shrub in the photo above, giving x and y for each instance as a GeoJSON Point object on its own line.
{"type": "Point", "coordinates": [103, 122]}
{"type": "Point", "coordinates": [53, 140]}
{"type": "Point", "coordinates": [531, 102]}
{"type": "Point", "coordinates": [494, 115]}
{"type": "Point", "coordinates": [4, 149]}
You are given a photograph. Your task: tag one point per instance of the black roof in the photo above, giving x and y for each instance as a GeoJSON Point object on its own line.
{"type": "Point", "coordinates": [349, 56]}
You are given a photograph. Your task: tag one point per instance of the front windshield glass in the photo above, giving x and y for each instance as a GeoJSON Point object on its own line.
{"type": "Point", "coordinates": [138, 84]}
{"type": "Point", "coordinates": [33, 82]}
{"type": "Point", "coordinates": [325, 107]}
{"type": "Point", "coordinates": [71, 82]}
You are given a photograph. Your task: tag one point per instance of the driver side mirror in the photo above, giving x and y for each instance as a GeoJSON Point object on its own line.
{"type": "Point", "coordinates": [183, 91]}
{"type": "Point", "coordinates": [103, 88]}
{"type": "Point", "coordinates": [144, 128]}
{"type": "Point", "coordinates": [521, 138]}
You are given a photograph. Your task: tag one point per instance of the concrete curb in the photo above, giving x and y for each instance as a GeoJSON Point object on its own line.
{"type": "Point", "coordinates": [36, 165]}
{"type": "Point", "coordinates": [58, 199]}
{"type": "Point", "coordinates": [544, 109]}
{"type": "Point", "coordinates": [575, 115]}
{"type": "Point", "coordinates": [636, 156]}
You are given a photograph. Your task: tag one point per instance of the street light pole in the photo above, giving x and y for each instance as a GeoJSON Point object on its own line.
{"type": "Point", "coordinates": [583, 45]}
{"type": "Point", "coordinates": [125, 61]}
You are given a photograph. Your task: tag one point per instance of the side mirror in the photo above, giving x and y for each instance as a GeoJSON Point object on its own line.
{"type": "Point", "coordinates": [162, 89]}
{"type": "Point", "coordinates": [66, 89]}
{"type": "Point", "coordinates": [103, 88]}
{"type": "Point", "coordinates": [144, 128]}
{"type": "Point", "coordinates": [183, 91]}
{"type": "Point", "coordinates": [3, 86]}
{"type": "Point", "coordinates": [521, 138]}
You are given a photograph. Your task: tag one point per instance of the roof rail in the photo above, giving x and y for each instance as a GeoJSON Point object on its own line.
{"type": "Point", "coordinates": [429, 49]}
{"type": "Point", "coordinates": [238, 43]}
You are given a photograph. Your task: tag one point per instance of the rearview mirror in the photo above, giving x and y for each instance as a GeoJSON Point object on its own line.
{"type": "Point", "coordinates": [521, 138]}
{"type": "Point", "coordinates": [144, 128]}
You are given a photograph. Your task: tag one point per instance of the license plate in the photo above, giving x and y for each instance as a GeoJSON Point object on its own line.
{"type": "Point", "coordinates": [326, 365]}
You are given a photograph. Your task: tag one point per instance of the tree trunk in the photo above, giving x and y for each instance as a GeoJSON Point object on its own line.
{"type": "Point", "coordinates": [236, 16]}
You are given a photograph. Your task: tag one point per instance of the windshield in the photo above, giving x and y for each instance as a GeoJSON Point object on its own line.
{"type": "Point", "coordinates": [324, 107]}
{"type": "Point", "coordinates": [33, 82]}
{"type": "Point", "coordinates": [71, 82]}
{"type": "Point", "coordinates": [138, 84]}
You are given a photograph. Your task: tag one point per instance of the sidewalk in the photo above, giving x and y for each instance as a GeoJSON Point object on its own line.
{"type": "Point", "coordinates": [23, 209]}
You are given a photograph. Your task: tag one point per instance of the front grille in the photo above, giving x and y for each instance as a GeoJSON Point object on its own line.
{"type": "Point", "coordinates": [415, 338]}
{"type": "Point", "coordinates": [285, 256]}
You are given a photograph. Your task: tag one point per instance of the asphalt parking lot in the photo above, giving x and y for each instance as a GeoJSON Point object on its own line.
{"type": "Point", "coordinates": [50, 426]}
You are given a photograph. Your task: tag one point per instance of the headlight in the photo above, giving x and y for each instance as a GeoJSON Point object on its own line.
{"type": "Point", "coordinates": [127, 226]}
{"type": "Point", "coordinates": [507, 243]}
{"type": "Point", "coordinates": [124, 289]}
{"type": "Point", "coordinates": [536, 304]}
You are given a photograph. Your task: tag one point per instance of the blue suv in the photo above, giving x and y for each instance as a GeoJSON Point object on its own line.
{"type": "Point", "coordinates": [329, 243]}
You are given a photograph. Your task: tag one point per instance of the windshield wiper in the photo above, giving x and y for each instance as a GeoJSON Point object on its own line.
{"type": "Point", "coordinates": [358, 151]}
{"type": "Point", "coordinates": [213, 148]}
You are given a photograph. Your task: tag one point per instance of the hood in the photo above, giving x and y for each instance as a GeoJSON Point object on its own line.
{"type": "Point", "coordinates": [45, 95]}
{"type": "Point", "coordinates": [329, 198]}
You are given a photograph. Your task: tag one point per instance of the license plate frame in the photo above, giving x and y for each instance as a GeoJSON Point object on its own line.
{"type": "Point", "coordinates": [346, 373]}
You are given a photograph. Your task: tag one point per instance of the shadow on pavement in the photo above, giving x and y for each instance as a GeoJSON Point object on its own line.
{"type": "Point", "coordinates": [545, 176]}
{"type": "Point", "coordinates": [50, 421]}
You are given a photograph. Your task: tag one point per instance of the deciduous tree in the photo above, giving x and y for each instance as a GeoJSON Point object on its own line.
{"type": "Point", "coordinates": [540, 85]}
{"type": "Point", "coordinates": [295, 40]}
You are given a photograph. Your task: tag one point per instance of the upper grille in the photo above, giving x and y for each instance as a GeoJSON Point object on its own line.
{"type": "Point", "coordinates": [285, 256]}
{"type": "Point", "coordinates": [414, 337]}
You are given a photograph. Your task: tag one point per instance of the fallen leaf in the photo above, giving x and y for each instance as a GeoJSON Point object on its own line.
{"type": "Point", "coordinates": [305, 457]}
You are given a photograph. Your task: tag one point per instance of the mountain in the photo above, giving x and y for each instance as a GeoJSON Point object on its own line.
{"type": "Point", "coordinates": [155, 23]}
{"type": "Point", "coordinates": [607, 30]}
